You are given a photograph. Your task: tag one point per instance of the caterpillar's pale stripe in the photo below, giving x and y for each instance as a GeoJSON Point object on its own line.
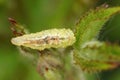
{"type": "Point", "coordinates": [53, 38]}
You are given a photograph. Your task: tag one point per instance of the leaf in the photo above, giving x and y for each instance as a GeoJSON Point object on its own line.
{"type": "Point", "coordinates": [90, 25]}
{"type": "Point", "coordinates": [97, 56]}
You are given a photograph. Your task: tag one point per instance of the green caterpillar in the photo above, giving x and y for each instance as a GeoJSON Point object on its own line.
{"type": "Point", "coordinates": [53, 38]}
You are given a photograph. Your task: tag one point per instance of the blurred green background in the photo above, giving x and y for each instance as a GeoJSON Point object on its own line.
{"type": "Point", "coordinates": [45, 14]}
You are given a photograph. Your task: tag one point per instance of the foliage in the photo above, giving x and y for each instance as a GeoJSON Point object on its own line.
{"type": "Point", "coordinates": [88, 53]}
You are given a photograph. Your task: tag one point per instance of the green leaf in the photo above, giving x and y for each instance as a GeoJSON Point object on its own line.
{"type": "Point", "coordinates": [94, 55]}
{"type": "Point", "coordinates": [97, 56]}
{"type": "Point", "coordinates": [90, 25]}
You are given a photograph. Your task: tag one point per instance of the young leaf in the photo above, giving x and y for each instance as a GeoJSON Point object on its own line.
{"type": "Point", "coordinates": [90, 25]}
{"type": "Point", "coordinates": [97, 56]}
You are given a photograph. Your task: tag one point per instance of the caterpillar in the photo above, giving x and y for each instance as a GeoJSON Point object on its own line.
{"type": "Point", "coordinates": [52, 38]}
